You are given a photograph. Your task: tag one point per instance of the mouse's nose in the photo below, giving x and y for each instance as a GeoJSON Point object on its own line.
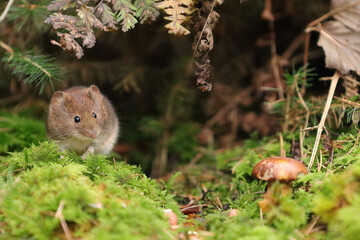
{"type": "Point", "coordinates": [92, 133]}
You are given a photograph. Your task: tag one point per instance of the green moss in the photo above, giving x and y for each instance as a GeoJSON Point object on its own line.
{"type": "Point", "coordinates": [241, 228]}
{"type": "Point", "coordinates": [101, 201]}
{"type": "Point", "coordinates": [18, 132]}
{"type": "Point", "coordinates": [286, 212]}
{"type": "Point", "coordinates": [338, 203]}
{"type": "Point", "coordinates": [105, 198]}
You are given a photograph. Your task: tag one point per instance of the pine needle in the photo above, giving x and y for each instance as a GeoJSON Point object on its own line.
{"type": "Point", "coordinates": [33, 69]}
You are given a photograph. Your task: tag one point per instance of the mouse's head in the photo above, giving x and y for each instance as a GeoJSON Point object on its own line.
{"type": "Point", "coordinates": [77, 113]}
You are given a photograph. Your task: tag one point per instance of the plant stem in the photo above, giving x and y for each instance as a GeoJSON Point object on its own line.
{"type": "Point", "coordinates": [334, 81]}
{"type": "Point", "coordinates": [3, 15]}
{"type": "Point", "coordinates": [333, 12]}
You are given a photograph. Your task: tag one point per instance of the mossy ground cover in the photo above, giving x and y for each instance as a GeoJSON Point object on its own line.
{"type": "Point", "coordinates": [101, 200]}
{"type": "Point", "coordinates": [322, 205]}
{"type": "Point", "coordinates": [102, 197]}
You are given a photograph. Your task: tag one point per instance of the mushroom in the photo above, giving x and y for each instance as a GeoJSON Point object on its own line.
{"type": "Point", "coordinates": [173, 220]}
{"type": "Point", "coordinates": [233, 212]}
{"type": "Point", "coordinates": [280, 169]}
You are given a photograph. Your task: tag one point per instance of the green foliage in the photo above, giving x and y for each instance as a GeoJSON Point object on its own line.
{"type": "Point", "coordinates": [183, 141]}
{"type": "Point", "coordinates": [29, 14]}
{"type": "Point", "coordinates": [126, 14]}
{"type": "Point", "coordinates": [248, 195]}
{"type": "Point", "coordinates": [347, 153]}
{"type": "Point", "coordinates": [338, 203]}
{"type": "Point", "coordinates": [169, 184]}
{"type": "Point", "coordinates": [150, 127]}
{"type": "Point", "coordinates": [18, 132]}
{"type": "Point", "coordinates": [106, 199]}
{"type": "Point", "coordinates": [286, 212]}
{"type": "Point", "coordinates": [241, 228]}
{"type": "Point", "coordinates": [34, 69]}
{"type": "Point", "coordinates": [292, 109]}
{"type": "Point", "coordinates": [300, 77]}
{"type": "Point", "coordinates": [331, 193]}
{"type": "Point", "coordinates": [101, 200]}
{"type": "Point", "coordinates": [146, 11]}
{"type": "Point", "coordinates": [348, 108]}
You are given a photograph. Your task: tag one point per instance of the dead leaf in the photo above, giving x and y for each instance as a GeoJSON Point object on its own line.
{"type": "Point", "coordinates": [350, 16]}
{"type": "Point", "coordinates": [341, 46]}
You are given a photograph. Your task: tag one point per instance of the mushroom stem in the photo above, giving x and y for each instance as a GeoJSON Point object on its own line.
{"type": "Point", "coordinates": [271, 194]}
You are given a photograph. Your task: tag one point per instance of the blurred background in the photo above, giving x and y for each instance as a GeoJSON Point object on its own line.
{"type": "Point", "coordinates": [149, 76]}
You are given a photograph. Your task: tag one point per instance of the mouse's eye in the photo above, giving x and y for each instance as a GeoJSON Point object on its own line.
{"type": "Point", "coordinates": [77, 119]}
{"type": "Point", "coordinates": [94, 114]}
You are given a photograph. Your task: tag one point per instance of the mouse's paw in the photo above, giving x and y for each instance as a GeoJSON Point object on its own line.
{"type": "Point", "coordinates": [87, 152]}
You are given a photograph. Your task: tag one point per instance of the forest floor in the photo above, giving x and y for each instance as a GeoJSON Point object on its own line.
{"type": "Point", "coordinates": [48, 194]}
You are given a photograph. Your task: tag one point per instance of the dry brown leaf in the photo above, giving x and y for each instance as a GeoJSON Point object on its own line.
{"type": "Point", "coordinates": [350, 16]}
{"type": "Point", "coordinates": [341, 46]}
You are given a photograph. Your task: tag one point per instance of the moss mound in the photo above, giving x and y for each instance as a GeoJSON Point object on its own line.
{"type": "Point", "coordinates": [18, 132]}
{"type": "Point", "coordinates": [95, 198]}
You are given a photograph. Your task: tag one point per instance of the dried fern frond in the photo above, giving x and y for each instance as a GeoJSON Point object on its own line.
{"type": "Point", "coordinates": [146, 12]}
{"type": "Point", "coordinates": [90, 15]}
{"type": "Point", "coordinates": [178, 11]}
{"type": "Point", "coordinates": [107, 16]}
{"type": "Point", "coordinates": [126, 13]}
{"type": "Point", "coordinates": [205, 20]}
{"type": "Point", "coordinates": [86, 14]}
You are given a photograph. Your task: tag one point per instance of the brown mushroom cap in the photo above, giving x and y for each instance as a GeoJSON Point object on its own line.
{"type": "Point", "coordinates": [278, 168]}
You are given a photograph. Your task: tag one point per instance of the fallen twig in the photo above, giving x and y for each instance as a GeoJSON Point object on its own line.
{"type": "Point", "coordinates": [60, 216]}
{"type": "Point", "coordinates": [312, 224]}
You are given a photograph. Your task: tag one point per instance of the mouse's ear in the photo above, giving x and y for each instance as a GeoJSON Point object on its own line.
{"type": "Point", "coordinates": [58, 97]}
{"type": "Point", "coordinates": [94, 92]}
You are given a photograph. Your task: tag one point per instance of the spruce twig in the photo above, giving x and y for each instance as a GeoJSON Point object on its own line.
{"type": "Point", "coordinates": [38, 69]}
{"type": "Point", "coordinates": [348, 102]}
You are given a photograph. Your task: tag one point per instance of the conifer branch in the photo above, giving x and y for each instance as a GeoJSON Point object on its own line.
{"type": "Point", "coordinates": [38, 69]}
{"type": "Point", "coordinates": [38, 66]}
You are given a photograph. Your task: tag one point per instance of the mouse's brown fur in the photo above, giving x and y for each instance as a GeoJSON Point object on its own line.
{"type": "Point", "coordinates": [98, 128]}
